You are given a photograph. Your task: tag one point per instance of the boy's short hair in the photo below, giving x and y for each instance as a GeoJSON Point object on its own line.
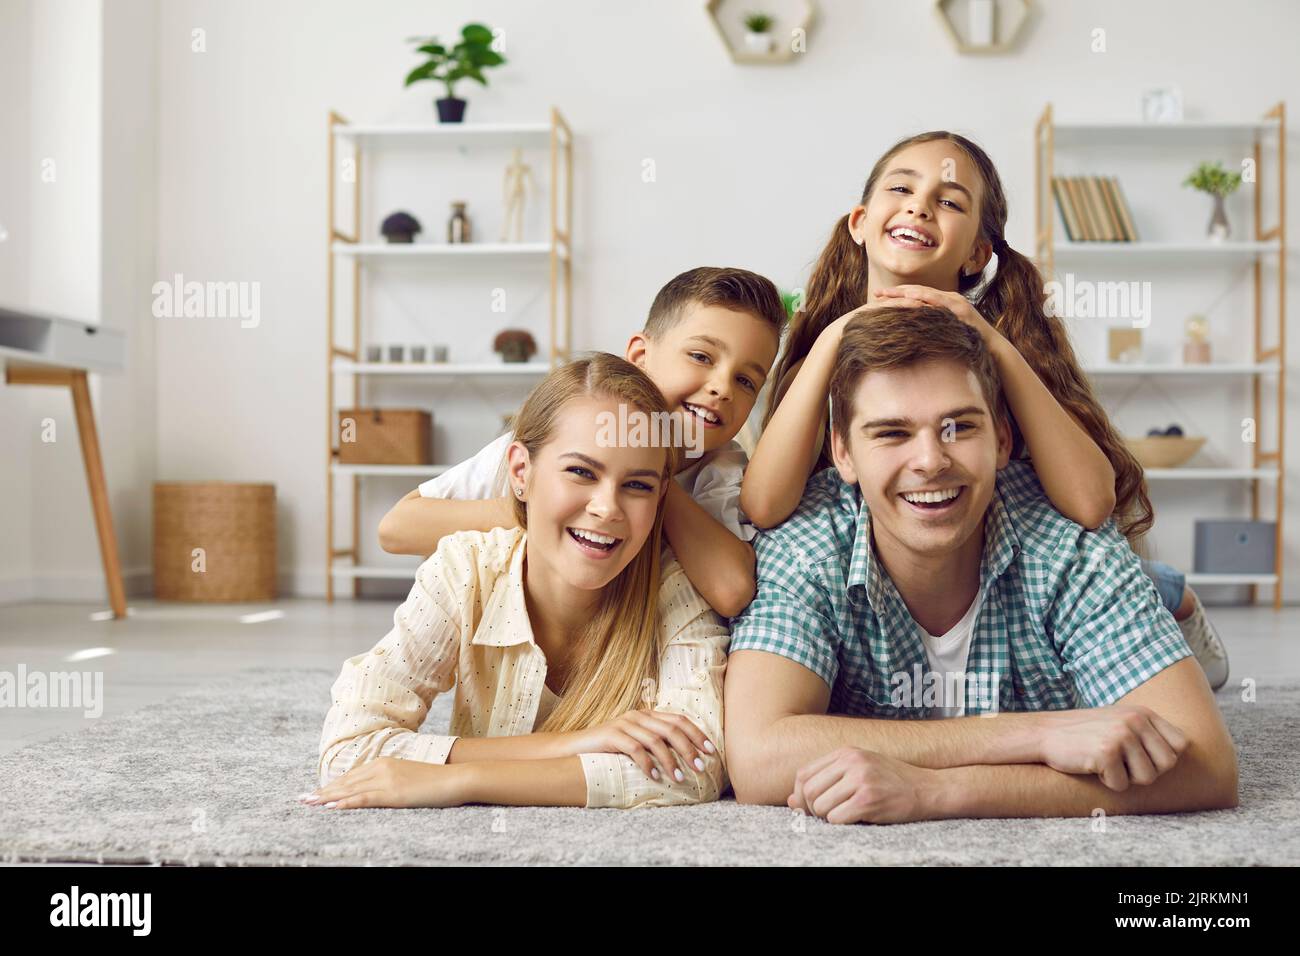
{"type": "Point", "coordinates": [902, 336]}
{"type": "Point", "coordinates": [736, 289]}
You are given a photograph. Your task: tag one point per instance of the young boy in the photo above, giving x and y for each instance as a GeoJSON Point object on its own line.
{"type": "Point", "coordinates": [709, 342]}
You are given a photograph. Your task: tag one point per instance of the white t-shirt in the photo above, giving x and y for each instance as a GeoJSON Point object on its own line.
{"type": "Point", "coordinates": [713, 480]}
{"type": "Point", "coordinates": [947, 654]}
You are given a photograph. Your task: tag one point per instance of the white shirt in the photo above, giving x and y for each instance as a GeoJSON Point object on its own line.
{"type": "Point", "coordinates": [947, 654]}
{"type": "Point", "coordinates": [713, 480]}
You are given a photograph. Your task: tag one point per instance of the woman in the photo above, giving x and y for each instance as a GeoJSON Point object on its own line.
{"type": "Point", "coordinates": [557, 636]}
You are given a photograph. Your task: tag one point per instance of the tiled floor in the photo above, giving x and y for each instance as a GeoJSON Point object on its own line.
{"type": "Point", "coordinates": [163, 649]}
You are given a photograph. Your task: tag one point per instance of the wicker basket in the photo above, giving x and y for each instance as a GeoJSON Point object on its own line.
{"type": "Point", "coordinates": [386, 436]}
{"type": "Point", "coordinates": [233, 524]}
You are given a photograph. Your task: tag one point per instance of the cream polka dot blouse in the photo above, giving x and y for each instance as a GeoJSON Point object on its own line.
{"type": "Point", "coordinates": [464, 626]}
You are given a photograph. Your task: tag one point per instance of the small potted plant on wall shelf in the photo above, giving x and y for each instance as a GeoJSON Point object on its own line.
{"type": "Point", "coordinates": [1212, 178]}
{"type": "Point", "coordinates": [400, 227]}
{"type": "Point", "coordinates": [515, 345]}
{"type": "Point", "coordinates": [758, 33]}
{"type": "Point", "coordinates": [466, 60]}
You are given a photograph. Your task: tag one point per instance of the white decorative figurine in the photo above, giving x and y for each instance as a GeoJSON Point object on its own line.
{"type": "Point", "coordinates": [518, 186]}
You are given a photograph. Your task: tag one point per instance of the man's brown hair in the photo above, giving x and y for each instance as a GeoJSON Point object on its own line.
{"type": "Point", "coordinates": [737, 289]}
{"type": "Point", "coordinates": [901, 336]}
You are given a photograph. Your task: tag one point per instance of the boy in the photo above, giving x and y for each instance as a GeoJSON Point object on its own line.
{"type": "Point", "coordinates": [709, 342]}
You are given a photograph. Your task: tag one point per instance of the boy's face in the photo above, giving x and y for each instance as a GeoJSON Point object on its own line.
{"type": "Point", "coordinates": [923, 428]}
{"type": "Point", "coordinates": [710, 366]}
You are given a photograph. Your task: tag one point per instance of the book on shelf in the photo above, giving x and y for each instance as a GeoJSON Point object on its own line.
{"type": "Point", "coordinates": [1093, 209]}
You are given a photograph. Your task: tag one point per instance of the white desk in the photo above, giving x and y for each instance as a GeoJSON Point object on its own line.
{"type": "Point", "coordinates": [46, 350]}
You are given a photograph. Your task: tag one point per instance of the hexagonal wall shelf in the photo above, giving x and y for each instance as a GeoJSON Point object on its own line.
{"type": "Point", "coordinates": [727, 18]}
{"type": "Point", "coordinates": [983, 26]}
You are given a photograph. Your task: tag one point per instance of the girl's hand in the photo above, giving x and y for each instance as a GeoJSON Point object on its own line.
{"type": "Point", "coordinates": [954, 302]}
{"type": "Point", "coordinates": [393, 782]}
{"type": "Point", "coordinates": [649, 737]}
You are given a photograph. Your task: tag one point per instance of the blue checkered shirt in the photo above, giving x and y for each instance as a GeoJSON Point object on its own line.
{"type": "Point", "coordinates": [1066, 617]}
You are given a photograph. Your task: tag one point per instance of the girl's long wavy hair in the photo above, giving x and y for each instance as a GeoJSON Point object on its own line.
{"type": "Point", "coordinates": [1012, 301]}
{"type": "Point", "coordinates": [618, 651]}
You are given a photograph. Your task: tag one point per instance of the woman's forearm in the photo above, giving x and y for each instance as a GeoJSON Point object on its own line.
{"type": "Point", "coordinates": [788, 447]}
{"type": "Point", "coordinates": [416, 525]}
{"type": "Point", "coordinates": [1074, 471]}
{"type": "Point", "coordinates": [558, 782]}
{"type": "Point", "coordinates": [537, 746]}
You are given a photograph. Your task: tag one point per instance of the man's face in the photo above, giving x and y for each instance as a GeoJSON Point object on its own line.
{"type": "Point", "coordinates": [710, 367]}
{"type": "Point", "coordinates": [923, 433]}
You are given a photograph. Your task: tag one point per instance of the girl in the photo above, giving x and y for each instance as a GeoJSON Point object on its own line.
{"type": "Point", "coordinates": [558, 635]}
{"type": "Point", "coordinates": [931, 215]}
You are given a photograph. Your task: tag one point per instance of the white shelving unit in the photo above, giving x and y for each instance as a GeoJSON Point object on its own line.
{"type": "Point", "coordinates": [347, 249]}
{"type": "Point", "coordinates": [1270, 243]}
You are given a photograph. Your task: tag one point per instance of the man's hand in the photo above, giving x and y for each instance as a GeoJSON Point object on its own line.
{"type": "Point", "coordinates": [393, 782]}
{"type": "Point", "coordinates": [851, 785]}
{"type": "Point", "coordinates": [1121, 744]}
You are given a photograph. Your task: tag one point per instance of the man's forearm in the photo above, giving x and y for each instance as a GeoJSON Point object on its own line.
{"type": "Point", "coordinates": [789, 743]}
{"type": "Point", "coordinates": [1036, 790]}
{"type": "Point", "coordinates": [559, 782]}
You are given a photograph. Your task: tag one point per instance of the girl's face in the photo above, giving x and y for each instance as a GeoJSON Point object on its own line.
{"type": "Point", "coordinates": [591, 499]}
{"type": "Point", "coordinates": [920, 224]}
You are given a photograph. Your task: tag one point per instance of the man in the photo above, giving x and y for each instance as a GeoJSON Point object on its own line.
{"type": "Point", "coordinates": [926, 575]}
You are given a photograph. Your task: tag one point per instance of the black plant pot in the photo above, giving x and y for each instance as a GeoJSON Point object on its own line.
{"type": "Point", "coordinates": [451, 110]}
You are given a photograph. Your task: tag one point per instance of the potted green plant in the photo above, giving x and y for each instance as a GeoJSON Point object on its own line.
{"type": "Point", "coordinates": [758, 36]}
{"type": "Point", "coordinates": [1212, 178]}
{"type": "Point", "coordinates": [448, 65]}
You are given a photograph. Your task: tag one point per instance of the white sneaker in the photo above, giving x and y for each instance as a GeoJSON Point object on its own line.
{"type": "Point", "coordinates": [1204, 641]}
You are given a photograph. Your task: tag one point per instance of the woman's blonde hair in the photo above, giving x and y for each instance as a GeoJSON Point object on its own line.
{"type": "Point", "coordinates": [1013, 301]}
{"type": "Point", "coordinates": [618, 652]}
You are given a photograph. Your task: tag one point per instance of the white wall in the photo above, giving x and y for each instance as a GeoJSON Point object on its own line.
{"type": "Point", "coordinates": [753, 166]}
{"type": "Point", "coordinates": [85, 116]}
{"type": "Point", "coordinates": [17, 471]}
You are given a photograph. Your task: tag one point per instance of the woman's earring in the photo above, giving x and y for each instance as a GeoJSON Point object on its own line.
{"type": "Point", "coordinates": [519, 492]}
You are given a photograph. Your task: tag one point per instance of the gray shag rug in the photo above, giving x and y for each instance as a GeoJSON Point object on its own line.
{"type": "Point", "coordinates": [210, 778]}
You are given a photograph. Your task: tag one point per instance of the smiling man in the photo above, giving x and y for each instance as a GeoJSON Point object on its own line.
{"type": "Point", "coordinates": [926, 575]}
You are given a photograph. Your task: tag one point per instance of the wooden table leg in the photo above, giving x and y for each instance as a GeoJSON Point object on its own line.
{"type": "Point", "coordinates": [98, 491]}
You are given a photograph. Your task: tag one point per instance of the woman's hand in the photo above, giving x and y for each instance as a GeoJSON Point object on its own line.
{"type": "Point", "coordinates": [649, 737]}
{"type": "Point", "coordinates": [954, 302]}
{"type": "Point", "coordinates": [393, 782]}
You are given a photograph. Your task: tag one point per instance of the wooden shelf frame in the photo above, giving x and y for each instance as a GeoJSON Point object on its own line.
{"type": "Point", "coordinates": [1270, 241]}
{"type": "Point", "coordinates": [343, 359]}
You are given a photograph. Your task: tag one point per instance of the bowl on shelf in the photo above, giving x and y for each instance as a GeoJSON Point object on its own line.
{"type": "Point", "coordinates": [1163, 451]}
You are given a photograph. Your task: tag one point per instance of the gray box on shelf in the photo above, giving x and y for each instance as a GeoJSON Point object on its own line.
{"type": "Point", "coordinates": [1234, 547]}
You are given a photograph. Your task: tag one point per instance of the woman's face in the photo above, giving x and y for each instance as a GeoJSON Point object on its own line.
{"type": "Point", "coordinates": [921, 222]}
{"type": "Point", "coordinates": [591, 505]}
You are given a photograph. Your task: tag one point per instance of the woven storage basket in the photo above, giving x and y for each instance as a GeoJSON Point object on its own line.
{"type": "Point", "coordinates": [386, 436]}
{"type": "Point", "coordinates": [233, 523]}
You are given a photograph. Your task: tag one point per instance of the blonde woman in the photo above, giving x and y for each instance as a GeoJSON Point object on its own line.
{"type": "Point", "coordinates": [584, 674]}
